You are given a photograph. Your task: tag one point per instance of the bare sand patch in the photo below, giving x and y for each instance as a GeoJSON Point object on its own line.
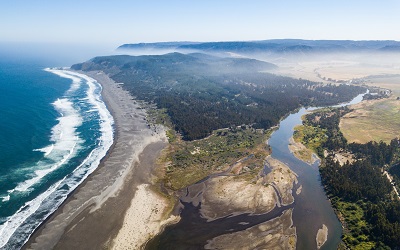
{"type": "Point", "coordinates": [322, 236]}
{"type": "Point", "coordinates": [236, 196]}
{"type": "Point", "coordinates": [343, 157]}
{"type": "Point", "coordinates": [282, 177]}
{"type": "Point", "coordinates": [143, 219]}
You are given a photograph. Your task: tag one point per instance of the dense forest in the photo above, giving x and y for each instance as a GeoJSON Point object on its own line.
{"type": "Point", "coordinates": [358, 189]}
{"type": "Point", "coordinates": [202, 93]}
{"type": "Point", "coordinates": [328, 120]}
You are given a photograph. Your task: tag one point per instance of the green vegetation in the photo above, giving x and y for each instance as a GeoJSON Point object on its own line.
{"type": "Point", "coordinates": [363, 197]}
{"type": "Point", "coordinates": [158, 116]}
{"type": "Point", "coordinates": [191, 161]}
{"type": "Point", "coordinates": [309, 136]}
{"type": "Point", "coordinates": [356, 181]}
{"type": "Point", "coordinates": [356, 227]}
{"type": "Point", "coordinates": [203, 93]}
{"type": "Point", "coordinates": [395, 172]}
{"type": "Point", "coordinates": [327, 121]}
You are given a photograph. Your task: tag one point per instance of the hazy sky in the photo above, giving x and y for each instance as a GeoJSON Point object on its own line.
{"type": "Point", "coordinates": [116, 22]}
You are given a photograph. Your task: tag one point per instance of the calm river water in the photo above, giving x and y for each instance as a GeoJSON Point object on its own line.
{"type": "Point", "coordinates": [312, 208]}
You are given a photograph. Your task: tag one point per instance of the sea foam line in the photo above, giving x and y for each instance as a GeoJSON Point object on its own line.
{"type": "Point", "coordinates": [65, 141]}
{"type": "Point", "coordinates": [14, 221]}
{"type": "Point", "coordinates": [76, 81]}
{"type": "Point", "coordinates": [46, 150]}
{"type": "Point", "coordinates": [92, 161]}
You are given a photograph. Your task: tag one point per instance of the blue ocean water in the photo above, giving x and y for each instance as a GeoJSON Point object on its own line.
{"type": "Point", "coordinates": [54, 130]}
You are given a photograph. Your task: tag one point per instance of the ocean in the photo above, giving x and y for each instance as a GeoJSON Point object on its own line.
{"type": "Point", "coordinates": [54, 130]}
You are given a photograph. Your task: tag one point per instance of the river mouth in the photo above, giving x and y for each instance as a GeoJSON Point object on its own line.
{"type": "Point", "coordinates": [195, 230]}
{"type": "Point", "coordinates": [311, 208]}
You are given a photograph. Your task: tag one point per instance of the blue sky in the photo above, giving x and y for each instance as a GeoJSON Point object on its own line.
{"type": "Point", "coordinates": [111, 23]}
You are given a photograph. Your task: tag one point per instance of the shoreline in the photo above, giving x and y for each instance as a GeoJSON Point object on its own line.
{"type": "Point", "coordinates": [94, 213]}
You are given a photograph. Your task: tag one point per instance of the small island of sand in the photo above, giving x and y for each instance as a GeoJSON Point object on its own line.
{"type": "Point", "coordinates": [322, 236]}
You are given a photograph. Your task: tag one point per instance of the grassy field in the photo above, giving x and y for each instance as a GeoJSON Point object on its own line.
{"type": "Point", "coordinates": [391, 82]}
{"type": "Point", "coordinates": [372, 121]}
{"type": "Point", "coordinates": [375, 120]}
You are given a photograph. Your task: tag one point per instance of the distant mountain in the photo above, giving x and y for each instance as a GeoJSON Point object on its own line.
{"type": "Point", "coordinates": [391, 48]}
{"type": "Point", "coordinates": [161, 45]}
{"type": "Point", "coordinates": [272, 46]}
{"type": "Point", "coordinates": [176, 62]}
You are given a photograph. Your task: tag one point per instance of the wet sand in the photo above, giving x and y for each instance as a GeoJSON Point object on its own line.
{"type": "Point", "coordinates": [93, 215]}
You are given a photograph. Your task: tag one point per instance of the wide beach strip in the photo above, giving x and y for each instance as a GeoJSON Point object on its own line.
{"type": "Point", "coordinates": [92, 216]}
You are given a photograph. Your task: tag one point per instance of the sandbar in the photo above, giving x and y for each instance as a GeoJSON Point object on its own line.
{"type": "Point", "coordinates": [322, 236]}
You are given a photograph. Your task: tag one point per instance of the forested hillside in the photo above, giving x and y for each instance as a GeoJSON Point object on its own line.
{"type": "Point", "coordinates": [202, 93]}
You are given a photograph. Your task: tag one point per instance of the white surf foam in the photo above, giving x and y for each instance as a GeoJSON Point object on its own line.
{"type": "Point", "coordinates": [54, 196]}
{"type": "Point", "coordinates": [76, 81]}
{"type": "Point", "coordinates": [14, 221]}
{"type": "Point", "coordinates": [65, 140]}
{"type": "Point", "coordinates": [46, 150]}
{"type": "Point", "coordinates": [5, 198]}
{"type": "Point", "coordinates": [106, 121]}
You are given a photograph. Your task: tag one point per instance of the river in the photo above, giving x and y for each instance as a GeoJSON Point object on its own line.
{"type": "Point", "coordinates": [312, 208]}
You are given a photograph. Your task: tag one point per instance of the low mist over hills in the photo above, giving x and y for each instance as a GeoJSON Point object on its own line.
{"type": "Point", "coordinates": [272, 46]}
{"type": "Point", "coordinates": [201, 93]}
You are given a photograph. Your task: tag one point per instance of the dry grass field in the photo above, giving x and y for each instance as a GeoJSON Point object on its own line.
{"type": "Point", "coordinates": [371, 120]}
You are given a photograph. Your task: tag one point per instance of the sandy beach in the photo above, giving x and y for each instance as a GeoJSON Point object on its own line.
{"type": "Point", "coordinates": [110, 208]}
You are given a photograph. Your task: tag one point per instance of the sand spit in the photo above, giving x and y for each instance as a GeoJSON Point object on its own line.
{"type": "Point", "coordinates": [92, 216]}
{"type": "Point", "coordinates": [322, 236]}
{"type": "Point", "coordinates": [282, 177]}
{"type": "Point", "coordinates": [143, 219]}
